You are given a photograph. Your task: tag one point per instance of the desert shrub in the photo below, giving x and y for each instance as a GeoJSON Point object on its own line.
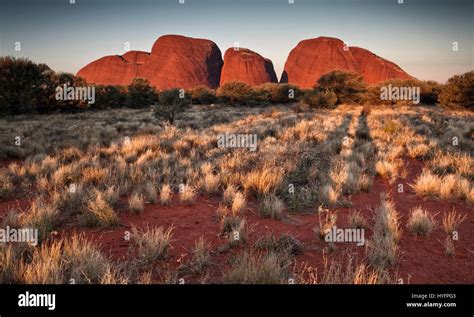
{"type": "Point", "coordinates": [238, 233]}
{"type": "Point", "coordinates": [6, 186]}
{"type": "Point", "coordinates": [109, 97]}
{"type": "Point", "coordinates": [150, 193]}
{"type": "Point", "coordinates": [229, 194]}
{"type": "Point", "coordinates": [451, 221]}
{"type": "Point", "coordinates": [272, 207]}
{"type": "Point", "coordinates": [346, 271]}
{"type": "Point", "coordinates": [420, 222]}
{"type": "Point", "coordinates": [74, 259]}
{"type": "Point", "coordinates": [24, 86]}
{"type": "Point", "coordinates": [165, 195]}
{"type": "Point", "coordinates": [278, 93]}
{"type": "Point", "coordinates": [211, 183]}
{"type": "Point", "coordinates": [135, 203]}
{"type": "Point", "coordinates": [83, 261]}
{"type": "Point", "coordinates": [325, 224]}
{"type": "Point", "coordinates": [286, 244]}
{"type": "Point", "coordinates": [458, 91]}
{"type": "Point", "coordinates": [386, 169]}
{"type": "Point", "coordinates": [429, 91]}
{"type": "Point", "coordinates": [236, 93]}
{"type": "Point", "coordinates": [43, 217]}
{"type": "Point", "coordinates": [140, 94]}
{"type": "Point", "coordinates": [187, 194]}
{"type": "Point", "coordinates": [348, 87]}
{"type": "Point", "coordinates": [27, 87]}
{"type": "Point", "coordinates": [262, 268]}
{"type": "Point", "coordinates": [263, 181]}
{"type": "Point", "coordinates": [152, 243]}
{"type": "Point", "coordinates": [170, 103]}
{"type": "Point", "coordinates": [203, 95]}
{"type": "Point", "coordinates": [201, 256]}
{"type": "Point", "coordinates": [356, 220]}
{"type": "Point", "coordinates": [383, 249]}
{"type": "Point", "coordinates": [427, 184]}
{"type": "Point", "coordinates": [98, 213]}
{"type": "Point", "coordinates": [318, 98]}
{"type": "Point", "coordinates": [238, 204]}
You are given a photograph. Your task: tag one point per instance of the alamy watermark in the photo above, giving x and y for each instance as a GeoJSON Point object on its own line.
{"type": "Point", "coordinates": [397, 93]}
{"type": "Point", "coordinates": [231, 140]}
{"type": "Point", "coordinates": [28, 235]}
{"type": "Point", "coordinates": [350, 235]}
{"type": "Point", "coordinates": [66, 92]}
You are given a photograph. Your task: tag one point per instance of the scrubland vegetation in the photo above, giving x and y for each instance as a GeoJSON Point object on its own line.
{"type": "Point", "coordinates": [321, 159]}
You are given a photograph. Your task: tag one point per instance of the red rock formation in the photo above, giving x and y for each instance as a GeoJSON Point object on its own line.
{"type": "Point", "coordinates": [374, 68]}
{"type": "Point", "coordinates": [315, 57]}
{"type": "Point", "coordinates": [247, 66]}
{"type": "Point", "coordinates": [184, 62]}
{"type": "Point", "coordinates": [115, 69]}
{"type": "Point", "coordinates": [175, 62]}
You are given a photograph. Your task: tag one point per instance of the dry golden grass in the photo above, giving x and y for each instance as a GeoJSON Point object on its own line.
{"type": "Point", "coordinates": [41, 216]}
{"type": "Point", "coordinates": [151, 243]}
{"type": "Point", "coordinates": [263, 181]}
{"type": "Point", "coordinates": [135, 203]}
{"type": "Point", "coordinates": [427, 184]}
{"type": "Point", "coordinates": [260, 268]}
{"type": "Point", "coordinates": [343, 270]}
{"type": "Point", "coordinates": [165, 195]}
{"type": "Point", "coordinates": [451, 221]}
{"type": "Point", "coordinates": [356, 220]}
{"type": "Point", "coordinates": [99, 213]}
{"type": "Point", "coordinates": [421, 222]}
{"type": "Point", "coordinates": [383, 249]}
{"type": "Point", "coordinates": [239, 203]}
{"type": "Point", "coordinates": [385, 169]}
{"type": "Point", "coordinates": [229, 194]}
{"type": "Point", "coordinates": [272, 207]}
{"type": "Point", "coordinates": [325, 154]}
{"type": "Point", "coordinates": [211, 183]}
{"type": "Point", "coordinates": [325, 224]}
{"type": "Point", "coordinates": [201, 257]}
{"type": "Point", "coordinates": [187, 194]}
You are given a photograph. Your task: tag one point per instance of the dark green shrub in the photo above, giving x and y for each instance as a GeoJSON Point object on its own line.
{"type": "Point", "coordinates": [203, 95]}
{"type": "Point", "coordinates": [318, 98]}
{"type": "Point", "coordinates": [278, 93]}
{"type": "Point", "coordinates": [140, 94]}
{"type": "Point", "coordinates": [458, 91]}
{"type": "Point", "coordinates": [348, 87]}
{"type": "Point", "coordinates": [170, 103]}
{"type": "Point", "coordinates": [109, 97]}
{"type": "Point", "coordinates": [25, 87]}
{"type": "Point", "coordinates": [429, 91]}
{"type": "Point", "coordinates": [236, 93]}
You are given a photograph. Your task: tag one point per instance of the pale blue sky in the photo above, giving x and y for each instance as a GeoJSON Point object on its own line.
{"type": "Point", "coordinates": [417, 35]}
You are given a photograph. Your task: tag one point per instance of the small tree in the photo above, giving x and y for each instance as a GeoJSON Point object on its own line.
{"type": "Point", "coordinates": [140, 94]}
{"type": "Point", "coordinates": [458, 91]}
{"type": "Point", "coordinates": [170, 103]}
{"type": "Point", "coordinates": [348, 87]}
{"type": "Point", "coordinates": [24, 86]}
